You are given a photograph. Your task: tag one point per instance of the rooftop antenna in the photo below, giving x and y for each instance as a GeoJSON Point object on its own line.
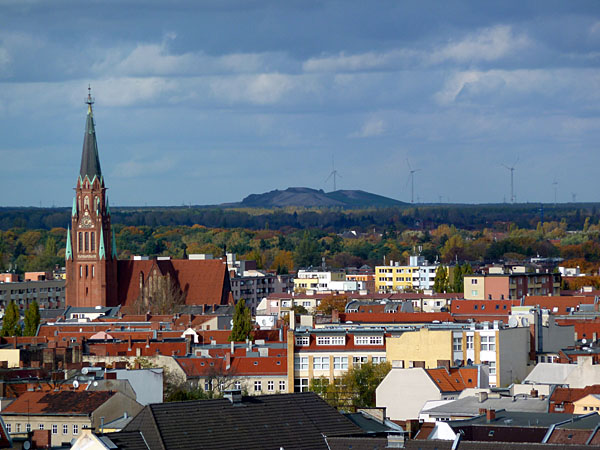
{"type": "Point", "coordinates": [555, 184]}
{"type": "Point", "coordinates": [334, 173]}
{"type": "Point", "coordinates": [512, 184]}
{"type": "Point", "coordinates": [412, 180]}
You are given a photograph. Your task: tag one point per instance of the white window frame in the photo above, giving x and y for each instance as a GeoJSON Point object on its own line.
{"type": "Point", "coordinates": [321, 363]}
{"type": "Point", "coordinates": [457, 344]}
{"type": "Point", "coordinates": [237, 385]}
{"type": "Point", "coordinates": [470, 342]}
{"type": "Point", "coordinates": [368, 340]}
{"type": "Point", "coordinates": [331, 340]}
{"type": "Point", "coordinates": [488, 343]}
{"type": "Point", "coordinates": [340, 363]}
{"type": "Point", "coordinates": [378, 359]}
{"type": "Point", "coordinates": [270, 385]}
{"type": "Point", "coordinates": [302, 341]}
{"type": "Point", "coordinates": [54, 428]}
{"type": "Point", "coordinates": [282, 385]}
{"type": "Point", "coordinates": [65, 428]}
{"type": "Point", "coordinates": [257, 386]}
{"type": "Point", "coordinates": [301, 363]}
{"type": "Point", "coordinates": [75, 429]}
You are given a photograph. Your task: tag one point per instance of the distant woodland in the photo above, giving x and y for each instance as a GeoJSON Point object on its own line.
{"type": "Point", "coordinates": [288, 238]}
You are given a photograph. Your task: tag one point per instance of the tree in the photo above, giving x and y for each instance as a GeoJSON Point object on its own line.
{"type": "Point", "coordinates": [440, 282]}
{"type": "Point", "coordinates": [355, 389]}
{"type": "Point", "coordinates": [32, 319]}
{"type": "Point", "coordinates": [160, 296]}
{"type": "Point", "coordinates": [307, 252]}
{"type": "Point", "coordinates": [10, 321]}
{"type": "Point", "coordinates": [242, 322]}
{"type": "Point", "coordinates": [331, 302]}
{"type": "Point", "coordinates": [457, 279]}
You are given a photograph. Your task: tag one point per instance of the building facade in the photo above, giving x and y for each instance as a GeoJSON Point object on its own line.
{"type": "Point", "coordinates": [418, 275]}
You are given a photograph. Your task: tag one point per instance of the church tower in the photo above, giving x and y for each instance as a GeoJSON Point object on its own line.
{"type": "Point", "coordinates": [91, 253]}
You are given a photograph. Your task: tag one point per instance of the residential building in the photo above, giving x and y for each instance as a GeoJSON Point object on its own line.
{"type": "Point", "coordinates": [512, 284]}
{"type": "Point", "coordinates": [323, 281]}
{"type": "Point", "coordinates": [583, 373]}
{"type": "Point", "coordinates": [404, 392]}
{"type": "Point", "coordinates": [48, 294]}
{"type": "Point", "coordinates": [65, 413]}
{"type": "Point", "coordinates": [329, 353]}
{"type": "Point", "coordinates": [504, 350]}
{"type": "Point", "coordinates": [418, 275]}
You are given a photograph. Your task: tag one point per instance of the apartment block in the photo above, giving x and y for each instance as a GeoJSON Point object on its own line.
{"type": "Point", "coordinates": [511, 284]}
{"type": "Point", "coordinates": [417, 275]}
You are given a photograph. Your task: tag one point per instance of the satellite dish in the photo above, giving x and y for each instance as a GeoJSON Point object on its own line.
{"type": "Point", "coordinates": [525, 321]}
{"type": "Point", "coordinates": [27, 445]}
{"type": "Point", "coordinates": [95, 383]}
{"type": "Point", "coordinates": [469, 362]}
{"type": "Point", "coordinates": [84, 371]}
{"type": "Point", "coordinates": [75, 384]}
{"type": "Point", "coordinates": [584, 341]}
{"type": "Point", "coordinates": [513, 322]}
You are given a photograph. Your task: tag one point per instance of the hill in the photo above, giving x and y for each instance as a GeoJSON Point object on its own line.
{"type": "Point", "coordinates": [307, 197]}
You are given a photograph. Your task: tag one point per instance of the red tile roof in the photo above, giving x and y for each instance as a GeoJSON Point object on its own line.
{"type": "Point", "coordinates": [563, 398]}
{"type": "Point", "coordinates": [203, 281]}
{"type": "Point", "coordinates": [62, 402]}
{"type": "Point", "coordinates": [398, 317]}
{"type": "Point", "coordinates": [561, 303]}
{"type": "Point", "coordinates": [455, 379]}
{"type": "Point", "coordinates": [240, 366]}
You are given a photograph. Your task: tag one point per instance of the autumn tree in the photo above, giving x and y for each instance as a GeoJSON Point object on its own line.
{"type": "Point", "coordinates": [32, 319]}
{"type": "Point", "coordinates": [457, 279]}
{"type": "Point", "coordinates": [331, 302]}
{"type": "Point", "coordinates": [242, 322]}
{"type": "Point", "coordinates": [440, 282]}
{"type": "Point", "coordinates": [10, 321]}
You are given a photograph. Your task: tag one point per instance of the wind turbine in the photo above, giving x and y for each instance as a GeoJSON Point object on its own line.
{"type": "Point", "coordinates": [334, 173]}
{"type": "Point", "coordinates": [412, 181]}
{"type": "Point", "coordinates": [512, 185]}
{"type": "Point", "coordinates": [555, 184]}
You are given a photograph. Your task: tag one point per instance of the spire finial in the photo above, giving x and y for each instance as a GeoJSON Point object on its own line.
{"type": "Point", "coordinates": [89, 100]}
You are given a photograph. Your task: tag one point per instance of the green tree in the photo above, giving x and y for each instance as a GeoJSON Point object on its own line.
{"type": "Point", "coordinates": [242, 322]}
{"type": "Point", "coordinates": [32, 319]}
{"type": "Point", "coordinates": [355, 389]}
{"type": "Point", "coordinates": [457, 279]}
{"type": "Point", "coordinates": [307, 252]}
{"type": "Point", "coordinates": [440, 282]}
{"type": "Point", "coordinates": [10, 321]}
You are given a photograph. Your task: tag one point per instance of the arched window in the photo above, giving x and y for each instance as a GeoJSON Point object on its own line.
{"type": "Point", "coordinates": [80, 245]}
{"type": "Point", "coordinates": [86, 271]}
{"type": "Point", "coordinates": [80, 270]}
{"type": "Point", "coordinates": [93, 271]}
{"type": "Point", "coordinates": [87, 241]}
{"type": "Point", "coordinates": [93, 241]}
{"type": "Point", "coordinates": [141, 281]}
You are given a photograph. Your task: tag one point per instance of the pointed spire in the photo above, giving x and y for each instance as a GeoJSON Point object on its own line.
{"type": "Point", "coordinates": [90, 162]}
{"type": "Point", "coordinates": [114, 246]}
{"type": "Point", "coordinates": [74, 209]}
{"type": "Point", "coordinates": [107, 207]}
{"type": "Point", "coordinates": [101, 252]}
{"type": "Point", "coordinates": [68, 251]}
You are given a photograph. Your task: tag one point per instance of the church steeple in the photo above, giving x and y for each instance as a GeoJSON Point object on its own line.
{"type": "Point", "coordinates": [90, 162]}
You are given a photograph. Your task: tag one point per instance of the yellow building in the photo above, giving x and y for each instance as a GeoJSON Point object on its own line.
{"type": "Point", "coordinates": [589, 403]}
{"type": "Point", "coordinates": [422, 348]}
{"type": "Point", "coordinates": [417, 275]}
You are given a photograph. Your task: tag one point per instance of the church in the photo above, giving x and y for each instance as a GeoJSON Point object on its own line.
{"type": "Point", "coordinates": [94, 274]}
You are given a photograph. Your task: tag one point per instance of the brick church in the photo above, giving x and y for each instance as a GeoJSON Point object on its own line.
{"type": "Point", "coordinates": [95, 276]}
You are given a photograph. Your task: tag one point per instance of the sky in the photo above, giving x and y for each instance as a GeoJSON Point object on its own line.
{"type": "Point", "coordinates": [207, 101]}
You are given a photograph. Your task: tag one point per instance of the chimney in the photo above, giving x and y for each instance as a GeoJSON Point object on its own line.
{"type": "Point", "coordinates": [232, 347]}
{"type": "Point", "coordinates": [227, 361]}
{"type": "Point", "coordinates": [534, 393]}
{"type": "Point", "coordinates": [483, 396]}
{"type": "Point", "coordinates": [234, 396]}
{"type": "Point", "coordinates": [490, 415]}
{"type": "Point", "coordinates": [335, 316]}
{"type": "Point", "coordinates": [445, 363]}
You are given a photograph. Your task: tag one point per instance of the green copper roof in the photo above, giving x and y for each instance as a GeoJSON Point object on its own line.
{"type": "Point", "coordinates": [69, 251]}
{"type": "Point", "coordinates": [107, 207]}
{"type": "Point", "coordinates": [74, 210]}
{"type": "Point", "coordinates": [102, 253]}
{"type": "Point", "coordinates": [114, 246]}
{"type": "Point", "coordinates": [90, 162]}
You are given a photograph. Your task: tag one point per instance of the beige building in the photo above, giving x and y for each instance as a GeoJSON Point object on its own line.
{"type": "Point", "coordinates": [504, 350]}
{"type": "Point", "coordinates": [66, 413]}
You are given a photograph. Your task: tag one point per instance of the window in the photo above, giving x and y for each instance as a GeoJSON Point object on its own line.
{"type": "Point", "coordinates": [457, 344]}
{"type": "Point", "coordinates": [368, 340]}
{"type": "Point", "coordinates": [87, 241]}
{"type": "Point", "coordinates": [270, 386]}
{"type": "Point", "coordinates": [208, 385]}
{"type": "Point", "coordinates": [492, 365]}
{"type": "Point", "coordinates": [378, 359]}
{"type": "Point", "coordinates": [93, 241]}
{"type": "Point", "coordinates": [340, 362]}
{"type": "Point", "coordinates": [28, 427]}
{"type": "Point", "coordinates": [9, 427]}
{"type": "Point", "coordinates": [41, 427]}
{"type": "Point", "coordinates": [302, 340]}
{"type": "Point", "coordinates": [54, 428]}
{"type": "Point", "coordinates": [80, 271]}
{"type": "Point", "coordinates": [301, 363]}
{"type": "Point", "coordinates": [282, 385]}
{"type": "Point", "coordinates": [301, 385]}
{"type": "Point", "coordinates": [80, 242]}
{"type": "Point", "coordinates": [469, 342]}
{"type": "Point", "coordinates": [306, 304]}
{"type": "Point", "coordinates": [473, 280]}
{"type": "Point", "coordinates": [488, 343]}
{"type": "Point", "coordinates": [237, 385]}
{"type": "Point", "coordinates": [321, 363]}
{"type": "Point", "coordinates": [65, 428]}
{"type": "Point", "coordinates": [257, 386]}
{"type": "Point", "coordinates": [359, 360]}
{"type": "Point", "coordinates": [474, 292]}
{"type": "Point", "coordinates": [331, 340]}
{"type": "Point", "coordinates": [18, 428]}
{"type": "Point", "coordinates": [93, 271]}
{"type": "Point", "coordinates": [75, 429]}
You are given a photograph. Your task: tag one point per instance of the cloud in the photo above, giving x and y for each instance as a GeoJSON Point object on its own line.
{"type": "Point", "coordinates": [358, 62]}
{"type": "Point", "coordinates": [489, 44]}
{"type": "Point", "coordinates": [371, 128]}
{"type": "Point", "coordinates": [137, 167]}
{"type": "Point", "coordinates": [262, 89]}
